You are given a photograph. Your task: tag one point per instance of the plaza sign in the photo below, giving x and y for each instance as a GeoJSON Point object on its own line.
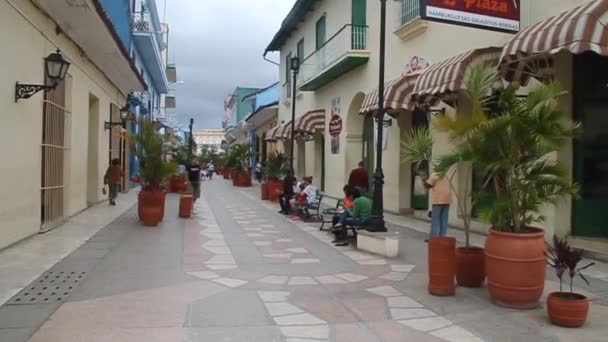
{"type": "Point", "coordinates": [500, 15]}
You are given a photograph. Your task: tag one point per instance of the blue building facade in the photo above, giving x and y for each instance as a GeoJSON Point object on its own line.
{"type": "Point", "coordinates": [138, 25]}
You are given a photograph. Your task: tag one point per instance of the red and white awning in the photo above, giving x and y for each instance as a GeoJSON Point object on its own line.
{"type": "Point", "coordinates": [397, 95]}
{"type": "Point", "coordinates": [276, 133]}
{"type": "Point", "coordinates": [311, 122]}
{"type": "Point", "coordinates": [447, 77]}
{"type": "Point", "coordinates": [581, 29]}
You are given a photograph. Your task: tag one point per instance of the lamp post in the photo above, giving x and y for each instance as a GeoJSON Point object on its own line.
{"type": "Point", "coordinates": [377, 216]}
{"type": "Point", "coordinates": [190, 138]}
{"type": "Point", "coordinates": [295, 68]}
{"type": "Point", "coordinates": [55, 70]}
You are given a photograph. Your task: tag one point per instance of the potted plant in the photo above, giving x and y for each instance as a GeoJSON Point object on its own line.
{"type": "Point", "coordinates": [567, 309]}
{"type": "Point", "coordinates": [512, 145]}
{"type": "Point", "coordinates": [153, 173]}
{"type": "Point", "coordinates": [274, 169]}
{"type": "Point", "coordinates": [240, 156]}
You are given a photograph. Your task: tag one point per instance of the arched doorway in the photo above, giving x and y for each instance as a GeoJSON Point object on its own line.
{"type": "Point", "coordinates": [355, 148]}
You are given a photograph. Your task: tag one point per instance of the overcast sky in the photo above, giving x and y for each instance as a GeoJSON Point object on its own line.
{"type": "Point", "coordinates": [217, 45]}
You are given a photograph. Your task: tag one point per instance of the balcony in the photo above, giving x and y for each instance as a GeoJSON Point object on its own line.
{"type": "Point", "coordinates": [343, 52]}
{"type": "Point", "coordinates": [147, 42]}
{"type": "Point", "coordinates": [409, 19]}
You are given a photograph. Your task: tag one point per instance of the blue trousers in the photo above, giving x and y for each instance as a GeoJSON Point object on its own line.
{"type": "Point", "coordinates": [439, 219]}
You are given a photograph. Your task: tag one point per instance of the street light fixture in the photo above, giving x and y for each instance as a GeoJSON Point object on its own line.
{"type": "Point", "coordinates": [125, 115]}
{"type": "Point", "coordinates": [294, 64]}
{"type": "Point", "coordinates": [55, 70]}
{"type": "Point", "coordinates": [377, 217]}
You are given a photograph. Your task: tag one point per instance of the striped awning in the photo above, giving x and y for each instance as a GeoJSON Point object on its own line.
{"type": "Point", "coordinates": [397, 95]}
{"type": "Point", "coordinates": [276, 133]}
{"type": "Point", "coordinates": [311, 122]}
{"type": "Point", "coordinates": [581, 29]}
{"type": "Point", "coordinates": [447, 77]}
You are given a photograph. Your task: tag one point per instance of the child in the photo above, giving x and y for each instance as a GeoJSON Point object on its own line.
{"type": "Point", "coordinates": [113, 178]}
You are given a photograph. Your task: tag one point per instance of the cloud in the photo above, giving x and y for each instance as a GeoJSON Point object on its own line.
{"type": "Point", "coordinates": [218, 45]}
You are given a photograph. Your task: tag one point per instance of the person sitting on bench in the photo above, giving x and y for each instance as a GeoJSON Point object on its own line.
{"type": "Point", "coordinates": [355, 217]}
{"type": "Point", "coordinates": [343, 204]}
{"type": "Point", "coordinates": [310, 197]}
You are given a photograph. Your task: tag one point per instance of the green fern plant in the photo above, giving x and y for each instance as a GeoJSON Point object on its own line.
{"type": "Point", "coordinates": [154, 170]}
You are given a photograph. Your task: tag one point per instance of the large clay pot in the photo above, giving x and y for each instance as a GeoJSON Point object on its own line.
{"type": "Point", "coordinates": [151, 199]}
{"type": "Point", "coordinates": [470, 266]}
{"type": "Point", "coordinates": [515, 267]}
{"type": "Point", "coordinates": [265, 195]}
{"type": "Point", "coordinates": [442, 265]}
{"type": "Point", "coordinates": [275, 189]}
{"type": "Point", "coordinates": [243, 178]}
{"type": "Point", "coordinates": [150, 216]}
{"type": "Point", "coordinates": [226, 173]}
{"type": "Point", "coordinates": [185, 206]}
{"type": "Point", "coordinates": [567, 309]}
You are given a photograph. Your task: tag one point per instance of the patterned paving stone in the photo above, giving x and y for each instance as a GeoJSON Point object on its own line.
{"type": "Point", "coordinates": [402, 268]}
{"type": "Point", "coordinates": [213, 236]}
{"type": "Point", "coordinates": [456, 334]}
{"type": "Point", "coordinates": [204, 275]}
{"type": "Point", "coordinates": [221, 260]}
{"type": "Point", "coordinates": [255, 235]}
{"type": "Point", "coordinates": [298, 319]}
{"type": "Point", "coordinates": [403, 302]}
{"type": "Point", "coordinates": [398, 314]}
{"type": "Point", "coordinates": [271, 231]}
{"type": "Point", "coordinates": [314, 332]}
{"type": "Point", "coordinates": [222, 267]}
{"type": "Point", "coordinates": [350, 277]}
{"type": "Point", "coordinates": [302, 340]}
{"type": "Point", "coordinates": [330, 279]}
{"type": "Point", "coordinates": [278, 255]}
{"type": "Point", "coordinates": [301, 281]}
{"type": "Point", "coordinates": [373, 262]}
{"type": "Point", "coordinates": [297, 250]}
{"type": "Point", "coordinates": [273, 296]}
{"type": "Point", "coordinates": [305, 261]}
{"type": "Point", "coordinates": [214, 243]}
{"type": "Point", "coordinates": [385, 291]}
{"type": "Point", "coordinates": [280, 309]}
{"type": "Point", "coordinates": [230, 282]}
{"type": "Point", "coordinates": [357, 256]}
{"type": "Point", "coordinates": [397, 276]}
{"type": "Point", "coordinates": [252, 229]}
{"type": "Point", "coordinates": [267, 225]}
{"type": "Point", "coordinates": [427, 324]}
{"type": "Point", "coordinates": [262, 243]}
{"type": "Point", "coordinates": [274, 279]}
{"type": "Point", "coordinates": [218, 250]}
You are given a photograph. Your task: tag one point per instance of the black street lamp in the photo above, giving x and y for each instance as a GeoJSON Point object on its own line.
{"type": "Point", "coordinates": [125, 115]}
{"type": "Point", "coordinates": [377, 218]}
{"type": "Point", "coordinates": [55, 70]}
{"type": "Point", "coordinates": [295, 68]}
{"type": "Point", "coordinates": [191, 138]}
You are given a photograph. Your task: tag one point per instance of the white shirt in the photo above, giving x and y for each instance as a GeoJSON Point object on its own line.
{"type": "Point", "coordinates": [311, 193]}
{"type": "Point", "coordinates": [182, 169]}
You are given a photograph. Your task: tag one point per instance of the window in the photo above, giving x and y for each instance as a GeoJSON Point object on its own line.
{"type": "Point", "coordinates": [300, 52]}
{"type": "Point", "coordinates": [408, 11]}
{"type": "Point", "coordinates": [320, 32]}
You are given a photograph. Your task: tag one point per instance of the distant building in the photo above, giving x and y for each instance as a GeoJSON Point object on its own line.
{"type": "Point", "coordinates": [209, 137]}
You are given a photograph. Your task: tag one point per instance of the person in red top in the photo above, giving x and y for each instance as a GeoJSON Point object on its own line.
{"type": "Point", "coordinates": [359, 178]}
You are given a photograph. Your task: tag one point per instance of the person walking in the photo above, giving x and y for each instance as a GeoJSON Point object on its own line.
{"type": "Point", "coordinates": [112, 179]}
{"type": "Point", "coordinates": [194, 178]}
{"type": "Point", "coordinates": [359, 178]}
{"type": "Point", "coordinates": [441, 198]}
{"type": "Point", "coordinates": [258, 172]}
{"type": "Point", "coordinates": [210, 171]}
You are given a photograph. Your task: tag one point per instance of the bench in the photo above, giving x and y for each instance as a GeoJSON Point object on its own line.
{"type": "Point", "coordinates": [316, 206]}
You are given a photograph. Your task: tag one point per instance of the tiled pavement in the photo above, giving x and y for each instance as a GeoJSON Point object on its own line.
{"type": "Point", "coordinates": [238, 271]}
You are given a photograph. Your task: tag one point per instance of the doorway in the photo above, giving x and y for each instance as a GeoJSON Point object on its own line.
{"type": "Point", "coordinates": [55, 121]}
{"type": "Point", "coordinates": [93, 184]}
{"type": "Point", "coordinates": [590, 159]}
{"type": "Point", "coordinates": [368, 150]}
{"type": "Point", "coordinates": [420, 194]}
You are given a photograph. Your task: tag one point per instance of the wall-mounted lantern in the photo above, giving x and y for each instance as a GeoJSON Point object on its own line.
{"type": "Point", "coordinates": [55, 70]}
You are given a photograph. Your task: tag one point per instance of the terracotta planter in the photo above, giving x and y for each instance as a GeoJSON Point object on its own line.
{"type": "Point", "coordinates": [567, 309]}
{"type": "Point", "coordinates": [240, 178]}
{"type": "Point", "coordinates": [275, 189]}
{"type": "Point", "coordinates": [151, 206]}
{"type": "Point", "coordinates": [185, 206]}
{"type": "Point", "coordinates": [265, 195]}
{"type": "Point", "coordinates": [442, 266]}
{"type": "Point", "coordinates": [515, 267]}
{"type": "Point", "coordinates": [226, 174]}
{"type": "Point", "coordinates": [150, 216]}
{"type": "Point", "coordinates": [470, 266]}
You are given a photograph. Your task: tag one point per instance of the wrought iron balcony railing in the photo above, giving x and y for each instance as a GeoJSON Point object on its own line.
{"type": "Point", "coordinates": [348, 40]}
{"type": "Point", "coordinates": [408, 11]}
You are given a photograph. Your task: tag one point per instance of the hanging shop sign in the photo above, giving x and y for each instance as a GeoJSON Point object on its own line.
{"type": "Point", "coordinates": [415, 65]}
{"type": "Point", "coordinates": [335, 125]}
{"type": "Point", "coordinates": [500, 15]}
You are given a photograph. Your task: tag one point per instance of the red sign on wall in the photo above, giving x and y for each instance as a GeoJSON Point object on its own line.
{"type": "Point", "coordinates": [493, 14]}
